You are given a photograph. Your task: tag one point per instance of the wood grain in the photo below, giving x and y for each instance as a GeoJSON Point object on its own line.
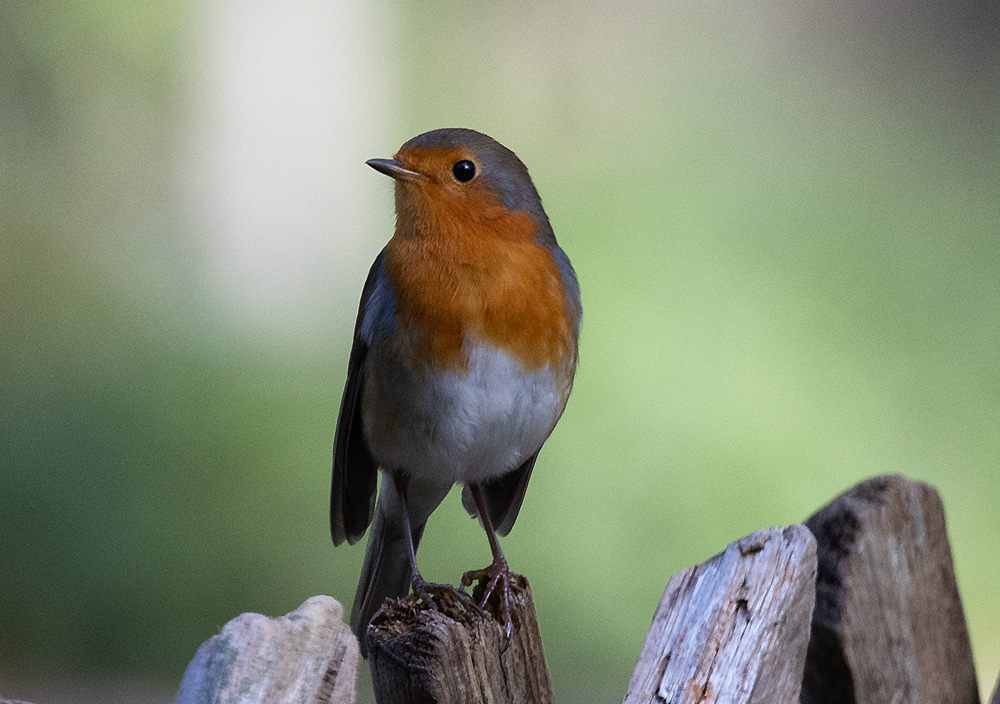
{"type": "Point", "coordinates": [735, 628]}
{"type": "Point", "coordinates": [888, 626]}
{"type": "Point", "coordinates": [451, 653]}
{"type": "Point", "coordinates": [309, 655]}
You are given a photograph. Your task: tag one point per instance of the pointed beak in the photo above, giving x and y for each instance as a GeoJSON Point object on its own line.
{"type": "Point", "coordinates": [394, 169]}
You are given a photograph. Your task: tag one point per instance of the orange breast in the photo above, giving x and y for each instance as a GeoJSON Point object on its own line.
{"type": "Point", "coordinates": [458, 272]}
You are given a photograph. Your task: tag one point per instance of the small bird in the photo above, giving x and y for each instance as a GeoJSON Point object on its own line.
{"type": "Point", "coordinates": [464, 354]}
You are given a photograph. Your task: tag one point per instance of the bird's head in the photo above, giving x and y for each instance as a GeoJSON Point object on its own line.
{"type": "Point", "coordinates": [459, 180]}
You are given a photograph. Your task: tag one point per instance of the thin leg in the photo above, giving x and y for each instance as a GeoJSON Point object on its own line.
{"type": "Point", "coordinates": [429, 592]}
{"type": "Point", "coordinates": [401, 482]}
{"type": "Point", "coordinates": [491, 534]}
{"type": "Point", "coordinates": [497, 574]}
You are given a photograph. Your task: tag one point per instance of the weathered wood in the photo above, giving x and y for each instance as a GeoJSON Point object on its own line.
{"type": "Point", "coordinates": [451, 653]}
{"type": "Point", "coordinates": [735, 628]}
{"type": "Point", "coordinates": [309, 655]}
{"type": "Point", "coordinates": [888, 626]}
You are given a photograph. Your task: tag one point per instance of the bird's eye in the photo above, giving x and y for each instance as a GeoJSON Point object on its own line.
{"type": "Point", "coordinates": [464, 171]}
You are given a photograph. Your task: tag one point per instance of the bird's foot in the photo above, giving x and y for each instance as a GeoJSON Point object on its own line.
{"type": "Point", "coordinates": [496, 583]}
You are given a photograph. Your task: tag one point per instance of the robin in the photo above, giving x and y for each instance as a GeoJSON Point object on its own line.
{"type": "Point", "coordinates": [463, 358]}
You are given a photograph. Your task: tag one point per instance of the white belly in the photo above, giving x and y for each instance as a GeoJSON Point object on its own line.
{"type": "Point", "coordinates": [452, 427]}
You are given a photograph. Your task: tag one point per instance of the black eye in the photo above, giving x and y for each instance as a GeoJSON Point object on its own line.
{"type": "Point", "coordinates": [464, 171]}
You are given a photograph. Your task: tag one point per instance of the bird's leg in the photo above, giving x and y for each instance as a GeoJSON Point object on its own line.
{"type": "Point", "coordinates": [401, 482]}
{"type": "Point", "coordinates": [429, 592]}
{"type": "Point", "coordinates": [497, 575]}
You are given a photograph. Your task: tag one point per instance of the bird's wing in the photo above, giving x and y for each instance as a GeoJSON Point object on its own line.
{"type": "Point", "coordinates": [355, 471]}
{"type": "Point", "coordinates": [505, 494]}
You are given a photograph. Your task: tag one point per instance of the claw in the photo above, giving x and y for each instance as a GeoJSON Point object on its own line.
{"type": "Point", "coordinates": [498, 580]}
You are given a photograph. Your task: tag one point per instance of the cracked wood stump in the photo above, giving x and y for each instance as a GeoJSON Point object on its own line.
{"type": "Point", "coordinates": [888, 626]}
{"type": "Point", "coordinates": [453, 654]}
{"type": "Point", "coordinates": [735, 628]}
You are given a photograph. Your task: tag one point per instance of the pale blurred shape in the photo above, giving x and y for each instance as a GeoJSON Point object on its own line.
{"type": "Point", "coordinates": [286, 103]}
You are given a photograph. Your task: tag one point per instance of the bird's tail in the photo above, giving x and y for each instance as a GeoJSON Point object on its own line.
{"type": "Point", "coordinates": [386, 571]}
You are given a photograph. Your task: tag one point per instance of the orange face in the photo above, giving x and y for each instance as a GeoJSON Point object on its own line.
{"type": "Point", "coordinates": [462, 265]}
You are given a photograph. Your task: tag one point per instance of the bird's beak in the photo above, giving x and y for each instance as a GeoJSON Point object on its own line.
{"type": "Point", "coordinates": [394, 169]}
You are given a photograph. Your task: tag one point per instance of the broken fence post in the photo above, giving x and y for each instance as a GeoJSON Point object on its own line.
{"type": "Point", "coordinates": [453, 654]}
{"type": "Point", "coordinates": [735, 628]}
{"type": "Point", "coordinates": [888, 625]}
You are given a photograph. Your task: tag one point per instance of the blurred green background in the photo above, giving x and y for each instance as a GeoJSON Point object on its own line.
{"type": "Point", "coordinates": [784, 217]}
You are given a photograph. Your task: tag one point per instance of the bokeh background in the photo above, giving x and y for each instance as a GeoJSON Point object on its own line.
{"type": "Point", "coordinates": [784, 216]}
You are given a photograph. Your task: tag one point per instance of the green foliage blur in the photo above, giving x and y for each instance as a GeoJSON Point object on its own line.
{"type": "Point", "coordinates": [784, 217]}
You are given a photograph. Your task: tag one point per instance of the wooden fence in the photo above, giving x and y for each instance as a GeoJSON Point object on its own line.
{"type": "Point", "coordinates": [858, 606]}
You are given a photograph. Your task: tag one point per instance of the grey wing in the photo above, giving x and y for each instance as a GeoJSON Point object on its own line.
{"type": "Point", "coordinates": [355, 471]}
{"type": "Point", "coordinates": [504, 496]}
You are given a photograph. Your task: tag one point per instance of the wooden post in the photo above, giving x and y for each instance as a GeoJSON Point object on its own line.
{"type": "Point", "coordinates": [888, 626]}
{"type": "Point", "coordinates": [451, 653]}
{"type": "Point", "coordinates": [733, 629]}
{"type": "Point", "coordinates": [309, 655]}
